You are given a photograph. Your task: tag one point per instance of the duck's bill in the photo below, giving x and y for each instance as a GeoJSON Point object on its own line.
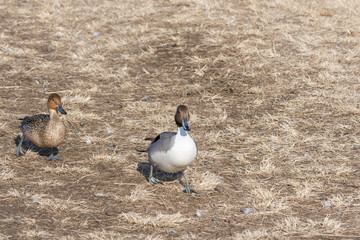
{"type": "Point", "coordinates": [185, 124]}
{"type": "Point", "coordinates": [60, 109]}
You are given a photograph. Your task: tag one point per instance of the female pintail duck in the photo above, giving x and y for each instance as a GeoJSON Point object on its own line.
{"type": "Point", "coordinates": [44, 130]}
{"type": "Point", "coordinates": [173, 151]}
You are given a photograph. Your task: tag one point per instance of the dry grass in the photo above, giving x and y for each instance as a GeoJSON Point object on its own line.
{"type": "Point", "coordinates": [205, 180]}
{"type": "Point", "coordinates": [159, 220]}
{"type": "Point", "coordinates": [274, 97]}
{"type": "Point", "coordinates": [140, 194]}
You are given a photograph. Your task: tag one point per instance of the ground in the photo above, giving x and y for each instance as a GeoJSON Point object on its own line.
{"type": "Point", "coordinates": [273, 90]}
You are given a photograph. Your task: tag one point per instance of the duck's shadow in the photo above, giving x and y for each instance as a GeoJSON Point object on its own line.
{"type": "Point", "coordinates": [28, 145]}
{"type": "Point", "coordinates": [144, 169]}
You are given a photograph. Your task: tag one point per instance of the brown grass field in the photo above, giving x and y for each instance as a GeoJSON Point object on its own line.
{"type": "Point", "coordinates": [273, 89]}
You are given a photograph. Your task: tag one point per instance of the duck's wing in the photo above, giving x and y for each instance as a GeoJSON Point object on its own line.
{"type": "Point", "coordinates": [163, 142]}
{"type": "Point", "coordinates": [39, 121]}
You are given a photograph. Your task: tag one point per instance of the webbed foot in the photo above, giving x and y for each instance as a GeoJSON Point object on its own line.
{"type": "Point", "coordinates": [154, 181]}
{"type": "Point", "coordinates": [52, 158]}
{"type": "Point", "coordinates": [189, 190]}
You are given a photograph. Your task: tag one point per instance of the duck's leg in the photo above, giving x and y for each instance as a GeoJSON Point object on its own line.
{"type": "Point", "coordinates": [51, 157]}
{"type": "Point", "coordinates": [153, 180]}
{"type": "Point", "coordinates": [20, 150]}
{"type": "Point", "coordinates": [187, 187]}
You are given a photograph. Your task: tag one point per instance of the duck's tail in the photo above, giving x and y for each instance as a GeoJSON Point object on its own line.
{"type": "Point", "coordinates": [23, 122]}
{"type": "Point", "coordinates": [24, 118]}
{"type": "Point", "coordinates": [140, 151]}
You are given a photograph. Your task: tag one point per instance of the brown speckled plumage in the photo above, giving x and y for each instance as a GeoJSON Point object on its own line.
{"type": "Point", "coordinates": [45, 130]}
{"type": "Point", "coordinates": [42, 131]}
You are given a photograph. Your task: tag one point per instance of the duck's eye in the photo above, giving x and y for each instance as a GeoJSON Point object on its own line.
{"type": "Point", "coordinates": [53, 100]}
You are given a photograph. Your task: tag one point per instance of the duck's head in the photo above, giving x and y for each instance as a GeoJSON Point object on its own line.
{"type": "Point", "coordinates": [182, 116]}
{"type": "Point", "coordinates": [54, 103]}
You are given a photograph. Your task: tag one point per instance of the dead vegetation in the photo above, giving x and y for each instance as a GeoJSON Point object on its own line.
{"type": "Point", "coordinates": [274, 97]}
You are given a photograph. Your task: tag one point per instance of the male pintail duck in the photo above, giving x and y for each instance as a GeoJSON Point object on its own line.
{"type": "Point", "coordinates": [173, 151]}
{"type": "Point", "coordinates": [44, 130]}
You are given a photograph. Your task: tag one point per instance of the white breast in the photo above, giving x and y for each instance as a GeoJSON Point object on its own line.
{"type": "Point", "coordinates": [181, 155]}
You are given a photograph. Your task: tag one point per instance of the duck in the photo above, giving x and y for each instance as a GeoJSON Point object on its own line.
{"type": "Point", "coordinates": [173, 151]}
{"type": "Point", "coordinates": [44, 130]}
